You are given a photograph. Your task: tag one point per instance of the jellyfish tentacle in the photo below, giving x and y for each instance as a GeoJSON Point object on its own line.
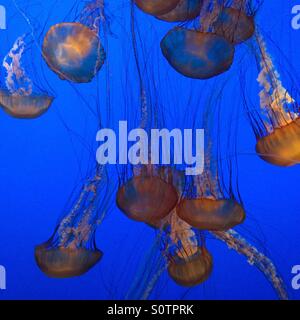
{"type": "Point", "coordinates": [236, 242]}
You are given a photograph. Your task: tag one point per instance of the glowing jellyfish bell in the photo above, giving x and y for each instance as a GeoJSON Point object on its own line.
{"type": "Point", "coordinates": [185, 10]}
{"type": "Point", "coordinates": [72, 251]}
{"type": "Point", "coordinates": [147, 197]}
{"type": "Point", "coordinates": [278, 131]}
{"type": "Point", "coordinates": [74, 50]}
{"type": "Point", "coordinates": [191, 264]}
{"type": "Point", "coordinates": [206, 207]}
{"type": "Point", "coordinates": [156, 7]}
{"type": "Point", "coordinates": [235, 23]}
{"type": "Point", "coordinates": [18, 98]}
{"type": "Point", "coordinates": [199, 54]}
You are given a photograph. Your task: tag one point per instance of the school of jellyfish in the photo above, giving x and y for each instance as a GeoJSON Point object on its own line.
{"type": "Point", "coordinates": [183, 211]}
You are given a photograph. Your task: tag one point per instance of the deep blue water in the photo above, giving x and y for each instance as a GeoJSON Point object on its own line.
{"type": "Point", "coordinates": [42, 160]}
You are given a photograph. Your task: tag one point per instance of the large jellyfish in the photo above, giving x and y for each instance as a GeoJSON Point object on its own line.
{"type": "Point", "coordinates": [18, 98]}
{"type": "Point", "coordinates": [278, 128]}
{"type": "Point", "coordinates": [73, 50]}
{"type": "Point", "coordinates": [199, 54]}
{"type": "Point", "coordinates": [146, 196]}
{"type": "Point", "coordinates": [72, 251]}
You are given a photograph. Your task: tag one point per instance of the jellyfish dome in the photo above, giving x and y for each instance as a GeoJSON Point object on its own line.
{"type": "Point", "coordinates": [197, 54]}
{"type": "Point", "coordinates": [66, 262]}
{"type": "Point", "coordinates": [211, 214]}
{"type": "Point", "coordinates": [185, 10]}
{"type": "Point", "coordinates": [192, 270]}
{"type": "Point", "coordinates": [156, 7]}
{"type": "Point", "coordinates": [24, 106]}
{"type": "Point", "coordinates": [282, 146]}
{"type": "Point", "coordinates": [73, 51]}
{"type": "Point", "coordinates": [147, 198]}
{"type": "Point", "coordinates": [234, 25]}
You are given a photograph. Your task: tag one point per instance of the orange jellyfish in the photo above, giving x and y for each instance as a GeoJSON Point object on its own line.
{"type": "Point", "coordinates": [18, 98]}
{"type": "Point", "coordinates": [147, 197]}
{"type": "Point", "coordinates": [185, 10]}
{"type": "Point", "coordinates": [204, 206]}
{"type": "Point", "coordinates": [190, 264]}
{"type": "Point", "coordinates": [278, 128]}
{"type": "Point", "coordinates": [236, 22]}
{"type": "Point", "coordinates": [198, 54]}
{"type": "Point", "coordinates": [74, 50]}
{"type": "Point", "coordinates": [156, 7]}
{"type": "Point", "coordinates": [72, 251]}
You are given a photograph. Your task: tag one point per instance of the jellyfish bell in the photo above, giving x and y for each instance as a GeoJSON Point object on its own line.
{"type": "Point", "coordinates": [24, 106]}
{"type": "Point", "coordinates": [156, 7]}
{"type": "Point", "coordinates": [185, 10]}
{"type": "Point", "coordinates": [282, 146]}
{"type": "Point", "coordinates": [197, 54]}
{"type": "Point", "coordinates": [73, 51]}
{"type": "Point", "coordinates": [234, 25]}
{"type": "Point", "coordinates": [64, 262]}
{"type": "Point", "coordinates": [211, 214]}
{"type": "Point", "coordinates": [147, 198]}
{"type": "Point", "coordinates": [191, 270]}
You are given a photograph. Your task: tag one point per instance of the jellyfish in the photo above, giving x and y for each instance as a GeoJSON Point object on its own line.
{"type": "Point", "coordinates": [277, 128]}
{"type": "Point", "coordinates": [147, 197]}
{"type": "Point", "coordinates": [199, 54]}
{"type": "Point", "coordinates": [18, 98]}
{"type": "Point", "coordinates": [190, 263]}
{"type": "Point", "coordinates": [185, 10]}
{"type": "Point", "coordinates": [156, 7]}
{"type": "Point", "coordinates": [73, 50]}
{"type": "Point", "coordinates": [205, 206]}
{"type": "Point", "coordinates": [236, 22]}
{"type": "Point", "coordinates": [72, 251]}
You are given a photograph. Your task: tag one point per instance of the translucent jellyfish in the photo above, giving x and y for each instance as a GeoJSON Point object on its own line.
{"type": "Point", "coordinates": [205, 205]}
{"type": "Point", "coordinates": [18, 98]}
{"type": "Point", "coordinates": [190, 263]}
{"type": "Point", "coordinates": [71, 251]}
{"type": "Point", "coordinates": [147, 197]}
{"type": "Point", "coordinates": [197, 54]}
{"type": "Point", "coordinates": [74, 50]}
{"type": "Point", "coordinates": [156, 7]}
{"type": "Point", "coordinates": [185, 10]}
{"type": "Point", "coordinates": [277, 128]}
{"type": "Point", "coordinates": [236, 22]}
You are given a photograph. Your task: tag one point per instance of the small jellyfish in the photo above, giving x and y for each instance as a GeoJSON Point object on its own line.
{"type": "Point", "coordinates": [74, 50]}
{"type": "Point", "coordinates": [278, 128]}
{"type": "Point", "coordinates": [18, 98]}
{"type": "Point", "coordinates": [185, 10]}
{"type": "Point", "coordinates": [156, 7]}
{"type": "Point", "coordinates": [192, 270]}
{"type": "Point", "coordinates": [147, 197]}
{"type": "Point", "coordinates": [190, 264]}
{"type": "Point", "coordinates": [234, 24]}
{"type": "Point", "coordinates": [196, 54]}
{"type": "Point", "coordinates": [72, 251]}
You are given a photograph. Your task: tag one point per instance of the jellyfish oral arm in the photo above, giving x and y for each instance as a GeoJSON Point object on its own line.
{"type": "Point", "coordinates": [254, 257]}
